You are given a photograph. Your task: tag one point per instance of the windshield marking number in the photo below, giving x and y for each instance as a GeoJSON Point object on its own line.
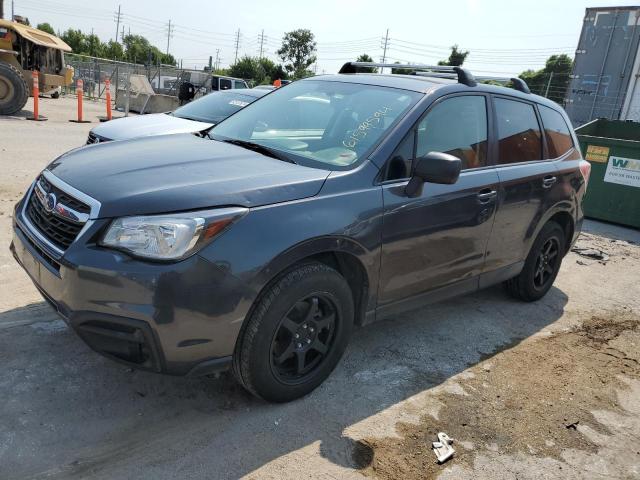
{"type": "Point", "coordinates": [363, 129]}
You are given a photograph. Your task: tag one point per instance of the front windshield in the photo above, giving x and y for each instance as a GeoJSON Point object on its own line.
{"type": "Point", "coordinates": [330, 122]}
{"type": "Point", "coordinates": [215, 107]}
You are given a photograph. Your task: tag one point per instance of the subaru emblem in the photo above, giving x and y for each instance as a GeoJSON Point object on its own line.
{"type": "Point", "coordinates": [51, 202]}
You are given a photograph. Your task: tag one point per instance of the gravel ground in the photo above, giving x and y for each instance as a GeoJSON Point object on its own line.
{"type": "Point", "coordinates": [549, 390]}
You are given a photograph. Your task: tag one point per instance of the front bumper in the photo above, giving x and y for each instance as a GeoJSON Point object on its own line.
{"type": "Point", "coordinates": [177, 318]}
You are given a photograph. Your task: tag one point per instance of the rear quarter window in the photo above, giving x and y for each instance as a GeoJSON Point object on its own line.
{"type": "Point", "coordinates": [557, 132]}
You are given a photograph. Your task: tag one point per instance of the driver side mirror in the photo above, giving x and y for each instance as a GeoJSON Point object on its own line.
{"type": "Point", "coordinates": [434, 167]}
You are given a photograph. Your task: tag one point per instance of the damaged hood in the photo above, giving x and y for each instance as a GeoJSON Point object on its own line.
{"type": "Point", "coordinates": [172, 173]}
{"type": "Point", "coordinates": [146, 125]}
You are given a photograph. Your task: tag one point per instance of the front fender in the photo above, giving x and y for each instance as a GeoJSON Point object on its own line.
{"type": "Point", "coordinates": [269, 239]}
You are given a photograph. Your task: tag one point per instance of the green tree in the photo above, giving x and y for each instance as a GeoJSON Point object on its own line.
{"type": "Point", "coordinates": [272, 71]}
{"type": "Point", "coordinates": [298, 52]}
{"type": "Point", "coordinates": [137, 49]}
{"type": "Point", "coordinates": [554, 77]}
{"type": "Point", "coordinates": [247, 67]}
{"type": "Point", "coordinates": [94, 46]}
{"type": "Point", "coordinates": [112, 50]}
{"type": "Point", "coordinates": [260, 70]}
{"type": "Point", "coordinates": [366, 58]}
{"type": "Point", "coordinates": [456, 58]}
{"type": "Point", "coordinates": [76, 40]}
{"type": "Point", "coordinates": [45, 27]}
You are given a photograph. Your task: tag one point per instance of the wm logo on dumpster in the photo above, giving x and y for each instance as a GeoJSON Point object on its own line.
{"type": "Point", "coordinates": [623, 171]}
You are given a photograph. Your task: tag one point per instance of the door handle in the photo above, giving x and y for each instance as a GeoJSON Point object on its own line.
{"type": "Point", "coordinates": [548, 181]}
{"type": "Point", "coordinates": [486, 195]}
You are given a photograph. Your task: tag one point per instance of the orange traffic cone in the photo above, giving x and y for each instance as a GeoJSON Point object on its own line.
{"type": "Point", "coordinates": [79, 94]}
{"type": "Point", "coordinates": [36, 99]}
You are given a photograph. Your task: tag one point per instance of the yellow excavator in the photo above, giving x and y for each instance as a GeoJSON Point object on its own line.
{"type": "Point", "coordinates": [24, 49]}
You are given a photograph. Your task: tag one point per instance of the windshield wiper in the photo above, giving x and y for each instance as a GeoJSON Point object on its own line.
{"type": "Point", "coordinates": [256, 147]}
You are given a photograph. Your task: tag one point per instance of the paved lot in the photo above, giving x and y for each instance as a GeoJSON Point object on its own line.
{"type": "Point", "coordinates": [529, 391]}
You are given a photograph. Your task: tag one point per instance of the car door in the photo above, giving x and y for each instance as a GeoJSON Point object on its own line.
{"type": "Point", "coordinates": [528, 185]}
{"type": "Point", "coordinates": [439, 237]}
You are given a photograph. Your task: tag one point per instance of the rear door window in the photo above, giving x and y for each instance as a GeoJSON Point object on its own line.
{"type": "Point", "coordinates": [519, 136]}
{"type": "Point", "coordinates": [225, 84]}
{"type": "Point", "coordinates": [239, 84]}
{"type": "Point", "coordinates": [457, 126]}
{"type": "Point", "coordinates": [556, 131]}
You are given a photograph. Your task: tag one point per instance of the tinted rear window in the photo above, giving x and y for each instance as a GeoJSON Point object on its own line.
{"type": "Point", "coordinates": [519, 135]}
{"type": "Point", "coordinates": [558, 135]}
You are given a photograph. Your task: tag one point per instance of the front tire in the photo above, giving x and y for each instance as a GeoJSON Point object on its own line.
{"type": "Point", "coordinates": [296, 334]}
{"type": "Point", "coordinates": [14, 91]}
{"type": "Point", "coordinates": [541, 266]}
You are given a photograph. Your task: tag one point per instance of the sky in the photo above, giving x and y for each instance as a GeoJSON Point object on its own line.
{"type": "Point", "coordinates": [504, 37]}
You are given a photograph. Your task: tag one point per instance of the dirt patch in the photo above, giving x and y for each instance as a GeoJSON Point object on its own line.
{"type": "Point", "coordinates": [614, 250]}
{"type": "Point", "coordinates": [532, 398]}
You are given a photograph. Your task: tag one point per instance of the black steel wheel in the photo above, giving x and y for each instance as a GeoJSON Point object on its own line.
{"type": "Point", "coordinates": [296, 333]}
{"type": "Point", "coordinates": [541, 266]}
{"type": "Point", "coordinates": [304, 338]}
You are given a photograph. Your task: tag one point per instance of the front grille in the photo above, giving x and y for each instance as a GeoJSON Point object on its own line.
{"type": "Point", "coordinates": [93, 138]}
{"type": "Point", "coordinates": [60, 231]}
{"type": "Point", "coordinates": [64, 197]}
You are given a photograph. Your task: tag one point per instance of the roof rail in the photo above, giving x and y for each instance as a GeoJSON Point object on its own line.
{"type": "Point", "coordinates": [439, 71]}
{"type": "Point", "coordinates": [518, 83]}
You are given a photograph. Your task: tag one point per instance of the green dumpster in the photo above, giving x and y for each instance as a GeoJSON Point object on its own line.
{"type": "Point", "coordinates": [613, 149]}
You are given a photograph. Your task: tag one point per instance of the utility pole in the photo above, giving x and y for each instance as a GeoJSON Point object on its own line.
{"type": "Point", "coordinates": [117, 22]}
{"type": "Point", "coordinates": [168, 36]}
{"type": "Point", "coordinates": [237, 45]}
{"type": "Point", "coordinates": [546, 93]}
{"type": "Point", "coordinates": [217, 64]}
{"type": "Point", "coordinates": [122, 36]}
{"type": "Point", "coordinates": [384, 54]}
{"type": "Point", "coordinates": [261, 43]}
{"type": "Point", "coordinates": [13, 13]}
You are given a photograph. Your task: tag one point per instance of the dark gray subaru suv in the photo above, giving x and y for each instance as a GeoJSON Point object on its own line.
{"type": "Point", "coordinates": [330, 203]}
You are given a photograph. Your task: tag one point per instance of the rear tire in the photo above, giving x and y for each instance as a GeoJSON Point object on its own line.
{"type": "Point", "coordinates": [541, 266]}
{"type": "Point", "coordinates": [296, 333]}
{"type": "Point", "coordinates": [14, 91]}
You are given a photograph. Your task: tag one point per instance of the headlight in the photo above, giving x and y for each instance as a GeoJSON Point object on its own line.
{"type": "Point", "coordinates": [169, 237]}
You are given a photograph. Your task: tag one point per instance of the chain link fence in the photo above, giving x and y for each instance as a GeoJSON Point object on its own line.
{"type": "Point", "coordinates": [164, 79]}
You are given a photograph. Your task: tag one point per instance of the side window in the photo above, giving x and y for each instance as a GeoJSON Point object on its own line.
{"type": "Point", "coordinates": [519, 134]}
{"type": "Point", "coordinates": [457, 126]}
{"type": "Point", "coordinates": [559, 139]}
{"type": "Point", "coordinates": [239, 84]}
{"type": "Point", "coordinates": [225, 84]}
{"type": "Point", "coordinates": [399, 165]}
